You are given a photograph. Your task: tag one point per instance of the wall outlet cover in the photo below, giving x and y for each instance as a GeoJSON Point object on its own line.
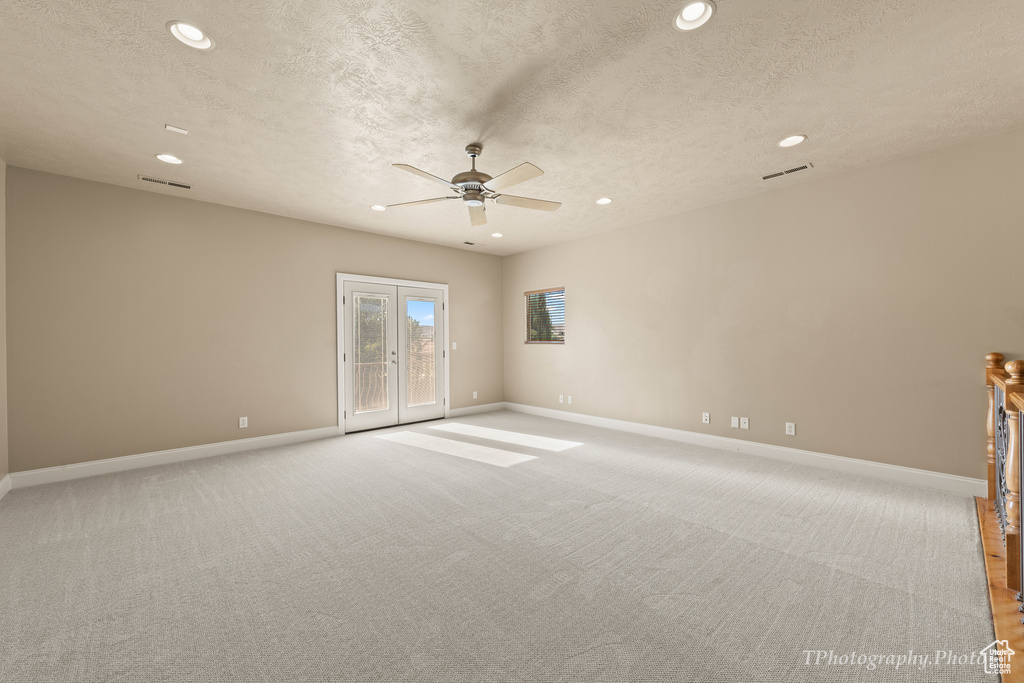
{"type": "Point", "coordinates": [735, 422]}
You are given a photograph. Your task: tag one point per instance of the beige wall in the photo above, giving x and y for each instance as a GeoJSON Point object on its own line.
{"type": "Point", "coordinates": [139, 322]}
{"type": "Point", "coordinates": [4, 468]}
{"type": "Point", "coordinates": [859, 306]}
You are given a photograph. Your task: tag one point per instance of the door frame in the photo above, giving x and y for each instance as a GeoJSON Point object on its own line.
{"type": "Point", "coordinates": [341, 278]}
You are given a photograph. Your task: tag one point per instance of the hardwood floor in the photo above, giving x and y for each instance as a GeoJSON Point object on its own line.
{"type": "Point", "coordinates": [1005, 615]}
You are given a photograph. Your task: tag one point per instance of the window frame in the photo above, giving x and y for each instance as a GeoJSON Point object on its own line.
{"type": "Point", "coordinates": [526, 316]}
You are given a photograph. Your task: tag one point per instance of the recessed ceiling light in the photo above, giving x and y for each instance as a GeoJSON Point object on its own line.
{"type": "Point", "coordinates": [604, 200]}
{"type": "Point", "coordinates": [378, 207]}
{"type": "Point", "coordinates": [496, 234]}
{"type": "Point", "coordinates": [168, 158]}
{"type": "Point", "coordinates": [694, 15]}
{"type": "Point", "coordinates": [792, 140]}
{"type": "Point", "coordinates": [192, 36]}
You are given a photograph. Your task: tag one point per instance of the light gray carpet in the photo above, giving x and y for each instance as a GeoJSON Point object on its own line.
{"type": "Point", "coordinates": [360, 559]}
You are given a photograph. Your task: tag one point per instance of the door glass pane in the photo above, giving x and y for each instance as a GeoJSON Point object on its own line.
{"type": "Point", "coordinates": [421, 364]}
{"type": "Point", "coordinates": [370, 383]}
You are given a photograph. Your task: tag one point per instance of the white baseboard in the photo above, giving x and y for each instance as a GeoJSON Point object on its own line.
{"type": "Point", "coordinates": [49, 475]}
{"type": "Point", "coordinates": [905, 475]}
{"type": "Point", "coordinates": [473, 410]}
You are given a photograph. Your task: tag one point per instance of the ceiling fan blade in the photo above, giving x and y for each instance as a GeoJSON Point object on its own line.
{"type": "Point", "coordinates": [477, 216]}
{"type": "Point", "coordinates": [424, 174]}
{"type": "Point", "coordinates": [422, 201]}
{"type": "Point", "coordinates": [519, 174]}
{"type": "Point", "coordinates": [527, 203]}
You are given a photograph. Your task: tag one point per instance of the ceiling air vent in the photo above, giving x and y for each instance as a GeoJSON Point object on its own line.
{"type": "Point", "coordinates": [161, 181]}
{"type": "Point", "coordinates": [779, 174]}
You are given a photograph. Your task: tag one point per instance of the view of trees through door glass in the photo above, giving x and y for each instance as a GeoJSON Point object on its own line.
{"type": "Point", "coordinates": [421, 364]}
{"type": "Point", "coordinates": [370, 383]}
{"type": "Point", "coordinates": [391, 353]}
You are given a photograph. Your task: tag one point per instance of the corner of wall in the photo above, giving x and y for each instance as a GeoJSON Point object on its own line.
{"type": "Point", "coordinates": [501, 317]}
{"type": "Point", "coordinates": [4, 464]}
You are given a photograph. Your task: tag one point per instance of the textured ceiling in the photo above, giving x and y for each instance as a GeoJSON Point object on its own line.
{"type": "Point", "coordinates": [303, 105]}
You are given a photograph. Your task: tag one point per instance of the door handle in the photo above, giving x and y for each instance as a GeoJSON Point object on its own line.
{"type": "Point", "coordinates": [394, 362]}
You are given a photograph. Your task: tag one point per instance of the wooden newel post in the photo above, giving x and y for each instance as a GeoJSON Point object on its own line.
{"type": "Point", "coordinates": [993, 366]}
{"type": "Point", "coordinates": [1014, 384]}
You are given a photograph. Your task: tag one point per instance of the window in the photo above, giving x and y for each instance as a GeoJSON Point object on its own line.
{"type": "Point", "coordinates": [545, 316]}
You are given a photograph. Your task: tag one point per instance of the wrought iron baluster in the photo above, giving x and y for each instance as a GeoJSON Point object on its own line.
{"type": "Point", "coordinates": [1000, 442]}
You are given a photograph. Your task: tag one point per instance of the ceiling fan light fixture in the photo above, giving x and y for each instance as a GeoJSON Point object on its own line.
{"type": "Point", "coordinates": [475, 187]}
{"type": "Point", "coordinates": [694, 15]}
{"type": "Point", "coordinates": [193, 36]}
{"type": "Point", "coordinates": [792, 140]}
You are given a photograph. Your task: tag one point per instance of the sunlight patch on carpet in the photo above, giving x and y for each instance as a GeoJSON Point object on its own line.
{"type": "Point", "coordinates": [460, 449]}
{"type": "Point", "coordinates": [518, 438]}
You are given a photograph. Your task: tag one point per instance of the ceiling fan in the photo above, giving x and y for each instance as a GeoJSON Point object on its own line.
{"type": "Point", "coordinates": [473, 187]}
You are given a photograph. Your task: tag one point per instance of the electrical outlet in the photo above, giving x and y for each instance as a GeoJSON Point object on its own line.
{"type": "Point", "coordinates": [474, 394]}
{"type": "Point", "coordinates": [735, 422]}
{"type": "Point", "coordinates": [705, 418]}
{"type": "Point", "coordinates": [561, 398]}
{"type": "Point", "coordinates": [744, 423]}
{"type": "Point", "coordinates": [243, 422]}
{"type": "Point", "coordinates": [791, 428]}
{"type": "Point", "coordinates": [570, 399]}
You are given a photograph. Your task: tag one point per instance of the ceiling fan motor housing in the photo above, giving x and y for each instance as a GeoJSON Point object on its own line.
{"type": "Point", "coordinates": [473, 198]}
{"type": "Point", "coordinates": [471, 180]}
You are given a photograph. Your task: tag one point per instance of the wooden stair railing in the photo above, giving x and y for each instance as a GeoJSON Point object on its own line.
{"type": "Point", "coordinates": [1012, 387]}
{"type": "Point", "coordinates": [1007, 385]}
{"type": "Point", "coordinates": [999, 515]}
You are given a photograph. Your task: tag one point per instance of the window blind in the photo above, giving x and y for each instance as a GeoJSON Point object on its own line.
{"type": "Point", "coordinates": [545, 316]}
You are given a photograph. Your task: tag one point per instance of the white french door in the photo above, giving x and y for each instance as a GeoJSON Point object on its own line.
{"type": "Point", "coordinates": [392, 364]}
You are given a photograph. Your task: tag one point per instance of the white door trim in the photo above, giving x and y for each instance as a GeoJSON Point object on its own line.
{"type": "Point", "coordinates": [340, 341]}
